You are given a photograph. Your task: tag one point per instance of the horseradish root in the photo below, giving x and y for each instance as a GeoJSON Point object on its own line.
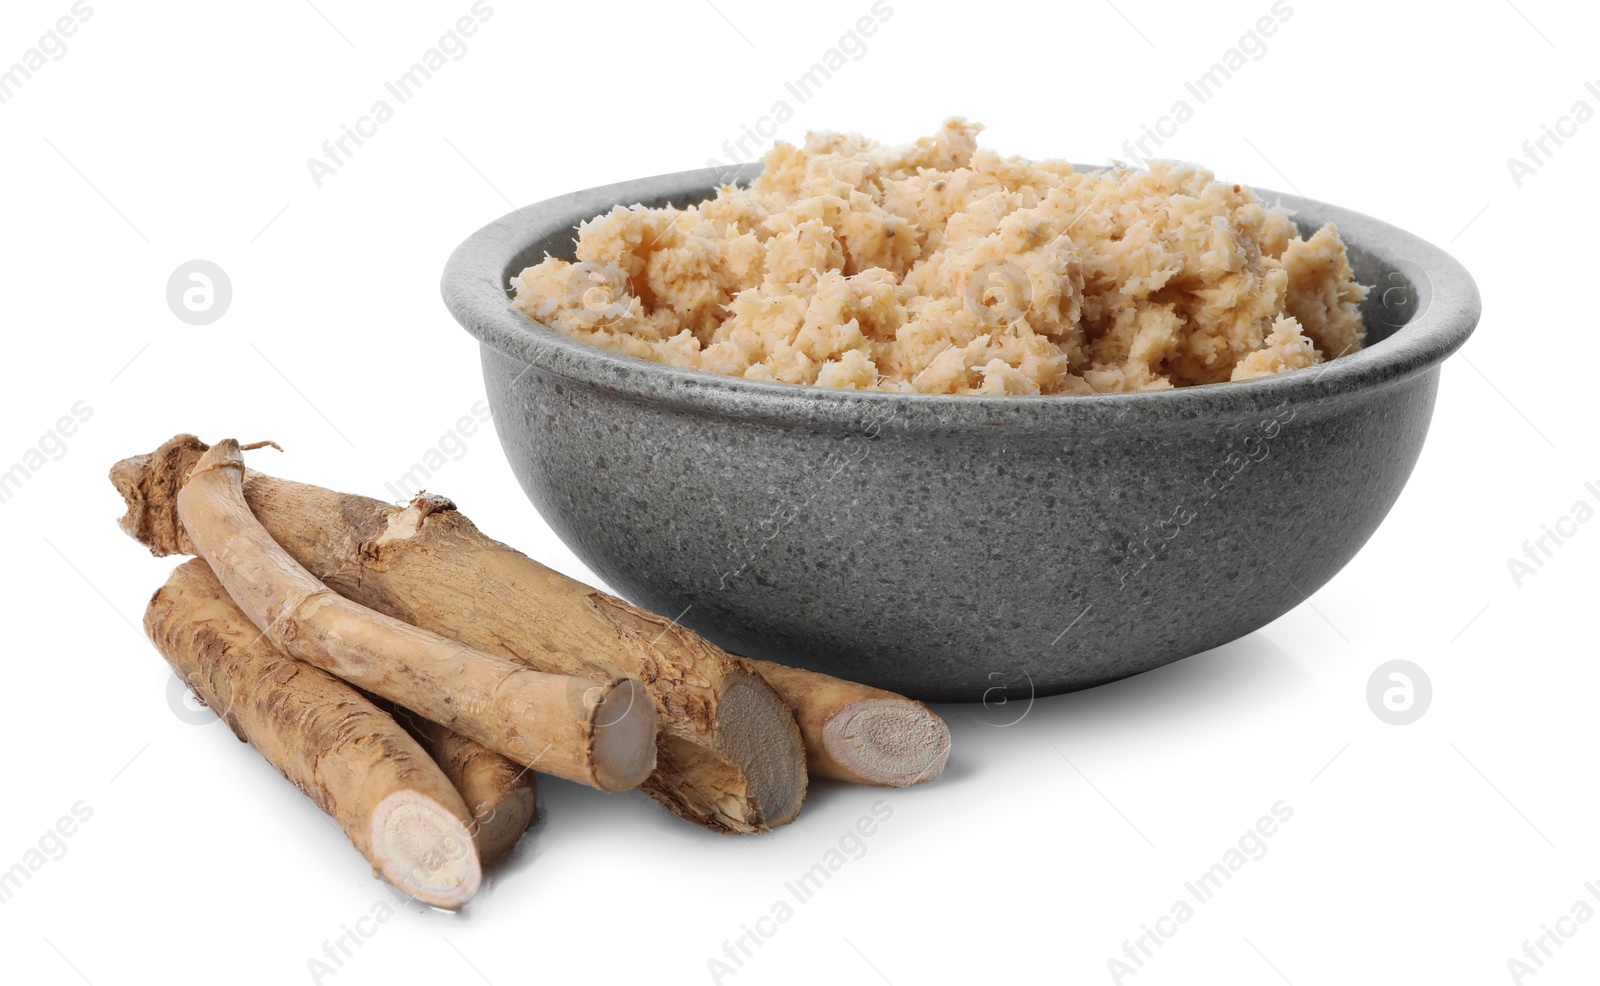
{"type": "Point", "coordinates": [501, 795]}
{"type": "Point", "coordinates": [349, 757]}
{"type": "Point", "coordinates": [858, 733]}
{"type": "Point", "coordinates": [596, 732]}
{"type": "Point", "coordinates": [729, 754]}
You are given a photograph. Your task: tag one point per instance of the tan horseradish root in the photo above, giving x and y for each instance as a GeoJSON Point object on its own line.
{"type": "Point", "coordinates": [729, 753]}
{"type": "Point", "coordinates": [501, 795]}
{"type": "Point", "coordinates": [427, 563]}
{"type": "Point", "coordinates": [360, 767]}
{"type": "Point", "coordinates": [597, 732]}
{"type": "Point", "coordinates": [858, 733]}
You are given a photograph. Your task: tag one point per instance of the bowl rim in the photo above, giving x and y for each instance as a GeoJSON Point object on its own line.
{"type": "Point", "coordinates": [476, 292]}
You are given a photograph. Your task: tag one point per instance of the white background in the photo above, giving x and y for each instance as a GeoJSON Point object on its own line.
{"type": "Point", "coordinates": [1420, 853]}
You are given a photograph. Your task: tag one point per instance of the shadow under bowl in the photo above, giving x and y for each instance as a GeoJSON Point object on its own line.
{"type": "Point", "coordinates": [954, 547]}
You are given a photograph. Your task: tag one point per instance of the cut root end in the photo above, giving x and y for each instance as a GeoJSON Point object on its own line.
{"type": "Point", "coordinates": [757, 730]}
{"type": "Point", "coordinates": [424, 850]}
{"type": "Point", "coordinates": [624, 736]}
{"type": "Point", "coordinates": [499, 830]}
{"type": "Point", "coordinates": [892, 743]}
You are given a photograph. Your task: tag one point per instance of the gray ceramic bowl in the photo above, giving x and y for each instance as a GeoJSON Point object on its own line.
{"type": "Point", "coordinates": [960, 548]}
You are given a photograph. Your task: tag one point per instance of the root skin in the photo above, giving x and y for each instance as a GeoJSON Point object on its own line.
{"type": "Point", "coordinates": [534, 718]}
{"type": "Point", "coordinates": [500, 794]}
{"type": "Point", "coordinates": [348, 756]}
{"type": "Point", "coordinates": [428, 565]}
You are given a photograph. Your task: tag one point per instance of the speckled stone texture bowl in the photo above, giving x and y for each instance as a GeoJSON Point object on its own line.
{"type": "Point", "coordinates": [960, 548]}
